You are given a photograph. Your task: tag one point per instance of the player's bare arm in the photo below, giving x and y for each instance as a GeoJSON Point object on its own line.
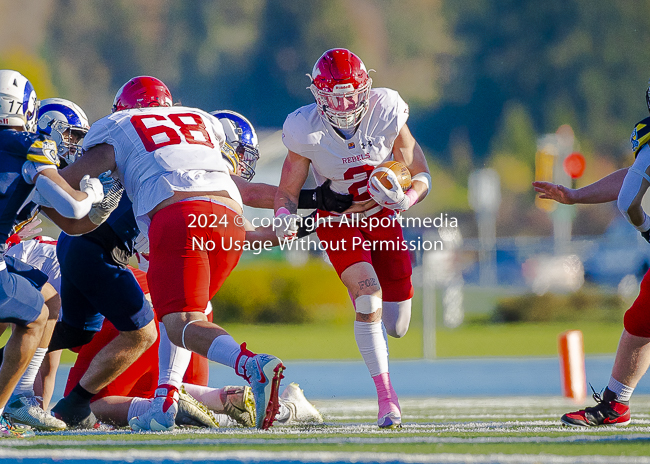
{"type": "Point", "coordinates": [407, 150]}
{"type": "Point", "coordinates": [602, 191]}
{"type": "Point", "coordinates": [96, 160]}
{"type": "Point", "coordinates": [68, 225]}
{"type": "Point", "coordinates": [256, 194]}
{"type": "Point", "coordinates": [294, 173]}
{"type": "Point", "coordinates": [635, 184]}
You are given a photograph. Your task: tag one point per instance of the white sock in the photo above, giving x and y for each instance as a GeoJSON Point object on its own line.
{"type": "Point", "coordinates": [224, 350]}
{"type": "Point", "coordinates": [26, 383]}
{"type": "Point", "coordinates": [372, 346]}
{"type": "Point", "coordinates": [623, 392]}
{"type": "Point", "coordinates": [1, 411]}
{"type": "Point", "coordinates": [172, 360]}
{"type": "Point", "coordinates": [206, 395]}
{"type": "Point", "coordinates": [138, 406]}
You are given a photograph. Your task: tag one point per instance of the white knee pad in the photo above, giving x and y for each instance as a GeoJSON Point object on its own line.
{"type": "Point", "coordinates": [396, 316]}
{"type": "Point", "coordinates": [367, 304]}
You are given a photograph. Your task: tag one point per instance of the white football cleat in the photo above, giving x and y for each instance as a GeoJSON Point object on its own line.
{"type": "Point", "coordinates": [295, 409]}
{"type": "Point", "coordinates": [161, 415]}
{"type": "Point", "coordinates": [26, 410]}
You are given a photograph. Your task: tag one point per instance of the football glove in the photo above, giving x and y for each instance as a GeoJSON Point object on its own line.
{"type": "Point", "coordinates": [393, 198]}
{"type": "Point", "coordinates": [286, 224]}
{"type": "Point", "coordinates": [92, 187]}
{"type": "Point", "coordinates": [307, 225]}
{"type": "Point", "coordinates": [113, 191]}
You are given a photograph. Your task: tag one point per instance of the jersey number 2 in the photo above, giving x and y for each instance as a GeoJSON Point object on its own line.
{"type": "Point", "coordinates": [361, 174]}
{"type": "Point", "coordinates": [153, 138]}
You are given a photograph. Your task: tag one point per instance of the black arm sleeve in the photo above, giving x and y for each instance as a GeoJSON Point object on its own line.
{"type": "Point", "coordinates": [307, 199]}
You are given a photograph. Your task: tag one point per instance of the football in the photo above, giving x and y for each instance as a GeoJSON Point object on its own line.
{"type": "Point", "coordinates": [402, 172]}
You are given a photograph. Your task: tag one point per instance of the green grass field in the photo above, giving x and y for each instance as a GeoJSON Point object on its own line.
{"type": "Point", "coordinates": [336, 341]}
{"type": "Point", "coordinates": [435, 428]}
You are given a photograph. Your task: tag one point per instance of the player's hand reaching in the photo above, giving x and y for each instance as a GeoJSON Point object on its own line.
{"type": "Point", "coordinates": [557, 192]}
{"type": "Point", "coordinates": [286, 224]}
{"type": "Point", "coordinates": [30, 229]}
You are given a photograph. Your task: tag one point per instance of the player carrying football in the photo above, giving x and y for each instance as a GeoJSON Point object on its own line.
{"type": "Point", "coordinates": [344, 135]}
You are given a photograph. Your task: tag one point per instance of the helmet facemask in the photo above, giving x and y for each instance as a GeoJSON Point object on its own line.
{"type": "Point", "coordinates": [344, 106]}
{"type": "Point", "coordinates": [71, 138]}
{"type": "Point", "coordinates": [248, 156]}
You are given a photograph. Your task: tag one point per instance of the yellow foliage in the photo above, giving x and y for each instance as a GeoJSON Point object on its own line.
{"type": "Point", "coordinates": [264, 291]}
{"type": "Point", "coordinates": [516, 175]}
{"type": "Point", "coordinates": [33, 68]}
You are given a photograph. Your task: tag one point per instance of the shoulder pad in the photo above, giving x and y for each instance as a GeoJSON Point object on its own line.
{"type": "Point", "coordinates": [43, 151]}
{"type": "Point", "coordinates": [640, 135]}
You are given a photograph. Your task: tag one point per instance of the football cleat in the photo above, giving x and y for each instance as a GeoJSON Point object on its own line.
{"type": "Point", "coordinates": [263, 373]}
{"type": "Point", "coordinates": [390, 420]}
{"type": "Point", "coordinates": [26, 410]}
{"type": "Point", "coordinates": [75, 416]}
{"type": "Point", "coordinates": [193, 412]}
{"type": "Point", "coordinates": [604, 413]}
{"type": "Point", "coordinates": [239, 404]}
{"type": "Point", "coordinates": [295, 409]}
{"type": "Point", "coordinates": [9, 430]}
{"type": "Point", "coordinates": [161, 415]}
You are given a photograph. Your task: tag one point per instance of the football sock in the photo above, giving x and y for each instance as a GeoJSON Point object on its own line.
{"type": "Point", "coordinates": [74, 409]}
{"type": "Point", "coordinates": [396, 316]}
{"type": "Point", "coordinates": [172, 360]}
{"type": "Point", "coordinates": [138, 406]}
{"type": "Point", "coordinates": [386, 396]}
{"type": "Point", "coordinates": [623, 392]}
{"type": "Point", "coordinates": [26, 383]}
{"type": "Point", "coordinates": [224, 350]}
{"type": "Point", "coordinates": [372, 346]}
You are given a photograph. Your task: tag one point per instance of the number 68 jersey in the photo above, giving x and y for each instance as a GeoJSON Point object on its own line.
{"type": "Point", "coordinates": [159, 150]}
{"type": "Point", "coordinates": [347, 162]}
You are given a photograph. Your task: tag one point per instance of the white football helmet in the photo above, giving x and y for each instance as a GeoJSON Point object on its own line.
{"type": "Point", "coordinates": [18, 103]}
{"type": "Point", "coordinates": [241, 148]}
{"type": "Point", "coordinates": [66, 124]}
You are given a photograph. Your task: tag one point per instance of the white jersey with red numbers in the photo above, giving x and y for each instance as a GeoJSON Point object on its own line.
{"type": "Point", "coordinates": [347, 162]}
{"type": "Point", "coordinates": [161, 150]}
{"type": "Point", "coordinates": [40, 252]}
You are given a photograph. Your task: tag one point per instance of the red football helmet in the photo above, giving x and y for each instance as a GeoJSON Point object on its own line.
{"type": "Point", "coordinates": [341, 87]}
{"type": "Point", "coordinates": [142, 92]}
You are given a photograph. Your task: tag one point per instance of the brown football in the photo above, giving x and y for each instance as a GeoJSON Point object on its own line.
{"type": "Point", "coordinates": [398, 168]}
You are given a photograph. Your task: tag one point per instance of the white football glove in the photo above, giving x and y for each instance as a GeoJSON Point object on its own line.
{"type": "Point", "coordinates": [393, 198]}
{"type": "Point", "coordinates": [92, 187]}
{"type": "Point", "coordinates": [286, 224]}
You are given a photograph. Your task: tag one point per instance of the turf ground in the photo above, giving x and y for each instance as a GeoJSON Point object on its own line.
{"type": "Point", "coordinates": [444, 430]}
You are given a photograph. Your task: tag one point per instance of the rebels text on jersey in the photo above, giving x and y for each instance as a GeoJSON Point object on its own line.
{"type": "Point", "coordinates": [348, 163]}
{"type": "Point", "coordinates": [161, 150]}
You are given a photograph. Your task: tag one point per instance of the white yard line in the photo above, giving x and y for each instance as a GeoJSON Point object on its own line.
{"type": "Point", "coordinates": [98, 457]}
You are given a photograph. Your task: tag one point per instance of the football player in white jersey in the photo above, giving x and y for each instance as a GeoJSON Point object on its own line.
{"type": "Point", "coordinates": [169, 160]}
{"type": "Point", "coordinates": [344, 135]}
